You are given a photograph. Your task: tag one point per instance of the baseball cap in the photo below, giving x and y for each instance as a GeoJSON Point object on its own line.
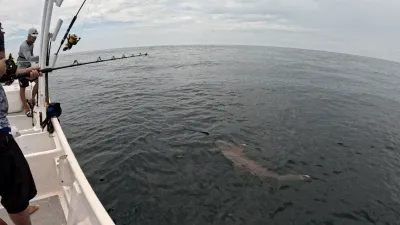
{"type": "Point", "coordinates": [33, 32]}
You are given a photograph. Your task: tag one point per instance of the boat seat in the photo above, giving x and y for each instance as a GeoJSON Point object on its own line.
{"type": "Point", "coordinates": [35, 143]}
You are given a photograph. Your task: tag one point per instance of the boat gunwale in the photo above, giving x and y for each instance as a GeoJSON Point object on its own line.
{"type": "Point", "coordinates": [96, 206]}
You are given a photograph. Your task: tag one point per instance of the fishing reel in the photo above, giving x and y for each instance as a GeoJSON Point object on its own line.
{"type": "Point", "coordinates": [53, 110]}
{"type": "Point", "coordinates": [71, 41]}
{"type": "Point", "coordinates": [11, 69]}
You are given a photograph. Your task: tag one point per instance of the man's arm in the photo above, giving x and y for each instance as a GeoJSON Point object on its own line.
{"type": "Point", "coordinates": [3, 69]}
{"type": "Point", "coordinates": [2, 66]}
{"type": "Point", "coordinates": [2, 54]}
{"type": "Point", "coordinates": [30, 69]}
{"type": "Point", "coordinates": [26, 52]}
{"type": "Point", "coordinates": [2, 50]}
{"type": "Point", "coordinates": [34, 74]}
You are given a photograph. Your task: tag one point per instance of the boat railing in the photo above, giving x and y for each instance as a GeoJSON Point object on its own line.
{"type": "Point", "coordinates": [86, 190]}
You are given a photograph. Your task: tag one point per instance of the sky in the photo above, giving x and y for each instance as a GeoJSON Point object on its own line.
{"type": "Point", "coordinates": [360, 27]}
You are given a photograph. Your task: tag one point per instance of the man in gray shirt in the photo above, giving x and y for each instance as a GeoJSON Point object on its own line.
{"type": "Point", "coordinates": [25, 57]}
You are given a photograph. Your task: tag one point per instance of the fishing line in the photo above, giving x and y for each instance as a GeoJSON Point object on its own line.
{"type": "Point", "coordinates": [84, 21]}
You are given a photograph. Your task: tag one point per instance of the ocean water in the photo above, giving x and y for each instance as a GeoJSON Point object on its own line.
{"type": "Point", "coordinates": [333, 116]}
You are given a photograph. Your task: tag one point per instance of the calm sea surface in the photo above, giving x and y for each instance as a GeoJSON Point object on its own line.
{"type": "Point", "coordinates": [335, 117]}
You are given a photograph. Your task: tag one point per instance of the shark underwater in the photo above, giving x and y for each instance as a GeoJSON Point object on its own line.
{"type": "Point", "coordinates": [242, 162]}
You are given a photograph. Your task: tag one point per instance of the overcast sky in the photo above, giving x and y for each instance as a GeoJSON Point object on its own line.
{"type": "Point", "coordinates": [362, 27]}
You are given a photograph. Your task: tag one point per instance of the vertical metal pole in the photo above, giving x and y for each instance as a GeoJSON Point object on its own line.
{"type": "Point", "coordinates": [46, 76]}
{"type": "Point", "coordinates": [43, 57]}
{"type": "Point", "coordinates": [38, 115]}
{"type": "Point", "coordinates": [46, 2]}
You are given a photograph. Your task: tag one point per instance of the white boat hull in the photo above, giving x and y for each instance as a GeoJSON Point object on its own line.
{"type": "Point", "coordinates": [64, 194]}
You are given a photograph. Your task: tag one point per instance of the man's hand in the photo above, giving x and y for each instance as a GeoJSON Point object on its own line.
{"type": "Point", "coordinates": [35, 67]}
{"type": "Point", "coordinates": [34, 74]}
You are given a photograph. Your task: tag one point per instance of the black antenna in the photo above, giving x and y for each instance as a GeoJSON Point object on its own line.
{"type": "Point", "coordinates": [69, 28]}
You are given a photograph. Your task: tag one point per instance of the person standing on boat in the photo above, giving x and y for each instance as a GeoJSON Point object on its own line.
{"type": "Point", "coordinates": [17, 186]}
{"type": "Point", "coordinates": [25, 57]}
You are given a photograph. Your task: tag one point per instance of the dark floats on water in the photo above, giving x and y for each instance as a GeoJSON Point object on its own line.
{"type": "Point", "coordinates": [332, 116]}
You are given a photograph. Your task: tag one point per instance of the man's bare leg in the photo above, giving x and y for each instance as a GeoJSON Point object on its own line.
{"type": "Point", "coordinates": [35, 91]}
{"type": "Point", "coordinates": [32, 209]}
{"type": "Point", "coordinates": [23, 99]}
{"type": "Point", "coordinates": [23, 218]}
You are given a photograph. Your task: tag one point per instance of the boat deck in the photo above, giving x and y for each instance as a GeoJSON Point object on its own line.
{"type": "Point", "coordinates": [62, 188]}
{"type": "Point", "coordinates": [50, 210]}
{"type": "Point", "coordinates": [49, 213]}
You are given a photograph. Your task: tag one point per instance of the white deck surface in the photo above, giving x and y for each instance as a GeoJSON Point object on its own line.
{"type": "Point", "coordinates": [62, 187]}
{"type": "Point", "coordinates": [50, 212]}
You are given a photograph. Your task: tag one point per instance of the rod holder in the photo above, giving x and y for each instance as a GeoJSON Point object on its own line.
{"type": "Point", "coordinates": [65, 174]}
{"type": "Point", "coordinates": [59, 2]}
{"type": "Point", "coordinates": [56, 30]}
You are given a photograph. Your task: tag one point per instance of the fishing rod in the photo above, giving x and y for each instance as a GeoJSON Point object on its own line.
{"type": "Point", "coordinates": [12, 74]}
{"type": "Point", "coordinates": [69, 27]}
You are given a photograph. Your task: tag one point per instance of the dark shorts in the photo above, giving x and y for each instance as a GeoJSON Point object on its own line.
{"type": "Point", "coordinates": [17, 186]}
{"type": "Point", "coordinates": [23, 82]}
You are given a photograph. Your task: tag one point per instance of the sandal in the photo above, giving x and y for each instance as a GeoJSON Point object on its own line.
{"type": "Point", "coordinates": [29, 114]}
{"type": "Point", "coordinates": [32, 101]}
